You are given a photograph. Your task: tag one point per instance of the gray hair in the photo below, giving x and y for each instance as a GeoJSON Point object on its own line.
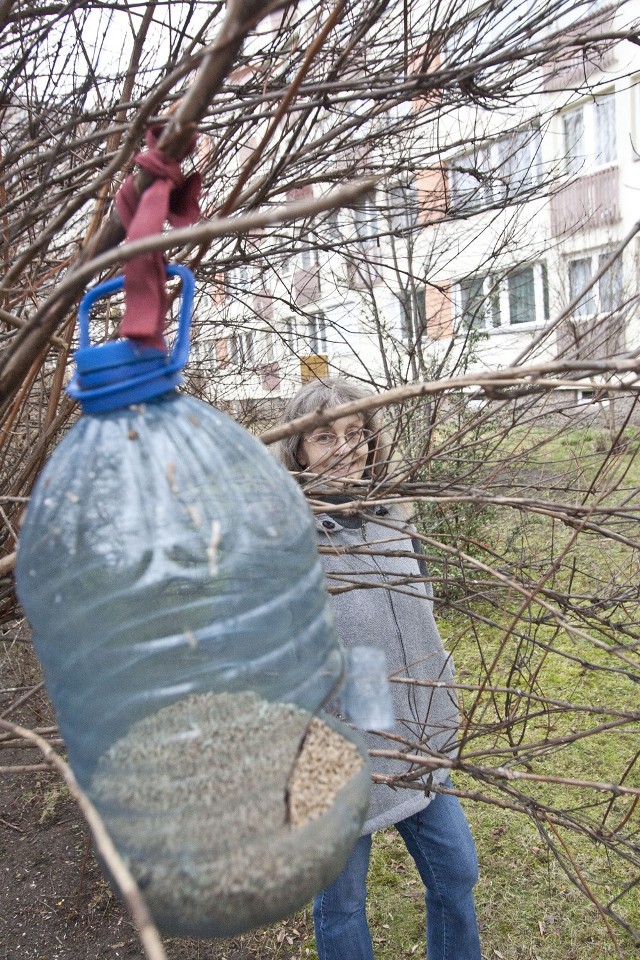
{"type": "Point", "coordinates": [323, 394]}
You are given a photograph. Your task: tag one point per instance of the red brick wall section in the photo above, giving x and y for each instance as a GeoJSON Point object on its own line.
{"type": "Point", "coordinates": [439, 311]}
{"type": "Point", "coordinates": [217, 289]}
{"type": "Point", "coordinates": [432, 194]}
{"type": "Point", "coordinates": [222, 352]}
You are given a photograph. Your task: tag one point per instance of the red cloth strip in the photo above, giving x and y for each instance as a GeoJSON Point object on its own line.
{"type": "Point", "coordinates": [172, 197]}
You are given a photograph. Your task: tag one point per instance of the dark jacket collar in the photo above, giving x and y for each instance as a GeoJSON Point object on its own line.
{"type": "Point", "coordinates": [345, 521]}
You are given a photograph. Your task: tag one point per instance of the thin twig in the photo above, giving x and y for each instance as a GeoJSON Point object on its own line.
{"type": "Point", "coordinates": [21, 700]}
{"type": "Point", "coordinates": [533, 376]}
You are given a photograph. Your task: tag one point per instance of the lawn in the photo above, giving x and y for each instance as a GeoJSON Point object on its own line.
{"type": "Point", "coordinates": [553, 672]}
{"type": "Point", "coordinates": [542, 618]}
{"type": "Point", "coordinates": [555, 651]}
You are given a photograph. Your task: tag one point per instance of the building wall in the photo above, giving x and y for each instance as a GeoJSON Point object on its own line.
{"type": "Point", "coordinates": [466, 264]}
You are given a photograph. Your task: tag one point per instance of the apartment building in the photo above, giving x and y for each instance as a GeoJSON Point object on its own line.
{"type": "Point", "coordinates": [464, 259]}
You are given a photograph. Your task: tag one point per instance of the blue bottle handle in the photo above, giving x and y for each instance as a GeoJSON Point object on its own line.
{"type": "Point", "coordinates": [180, 353]}
{"type": "Point", "coordinates": [121, 372]}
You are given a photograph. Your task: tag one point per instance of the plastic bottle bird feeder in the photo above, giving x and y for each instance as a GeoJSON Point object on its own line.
{"type": "Point", "coordinates": [169, 571]}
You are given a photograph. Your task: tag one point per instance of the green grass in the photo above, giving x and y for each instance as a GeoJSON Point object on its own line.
{"type": "Point", "coordinates": [528, 908]}
{"type": "Point", "coordinates": [527, 905]}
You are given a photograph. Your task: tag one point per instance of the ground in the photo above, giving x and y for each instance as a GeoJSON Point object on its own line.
{"type": "Point", "coordinates": [54, 902]}
{"type": "Point", "coordinates": [55, 905]}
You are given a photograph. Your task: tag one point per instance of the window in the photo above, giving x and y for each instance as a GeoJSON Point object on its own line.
{"type": "Point", "coordinates": [412, 313]}
{"type": "Point", "coordinates": [522, 298]}
{"type": "Point", "coordinates": [606, 295]}
{"type": "Point", "coordinates": [635, 118]}
{"type": "Point", "coordinates": [241, 349]}
{"type": "Point", "coordinates": [402, 200]}
{"type": "Point", "coordinates": [590, 135]}
{"type": "Point", "coordinates": [488, 302]}
{"type": "Point", "coordinates": [317, 333]}
{"type": "Point", "coordinates": [333, 225]}
{"type": "Point", "coordinates": [290, 336]}
{"type": "Point", "coordinates": [575, 148]}
{"type": "Point", "coordinates": [604, 109]}
{"type": "Point", "coordinates": [239, 278]}
{"type": "Point", "coordinates": [518, 162]}
{"type": "Point", "coordinates": [343, 323]}
{"type": "Point", "coordinates": [365, 218]}
{"type": "Point", "coordinates": [579, 276]}
{"type": "Point", "coordinates": [479, 302]}
{"type": "Point", "coordinates": [498, 171]}
{"type": "Point", "coordinates": [601, 397]}
{"type": "Point", "coordinates": [470, 180]}
{"type": "Point", "coordinates": [308, 258]}
{"type": "Point", "coordinates": [267, 352]}
{"type": "Point", "coordinates": [198, 355]}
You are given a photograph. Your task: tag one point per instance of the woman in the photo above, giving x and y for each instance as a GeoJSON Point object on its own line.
{"type": "Point", "coordinates": [362, 550]}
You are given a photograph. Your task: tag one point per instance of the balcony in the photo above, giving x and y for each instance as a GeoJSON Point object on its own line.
{"type": "Point", "coordinates": [591, 338]}
{"type": "Point", "coordinates": [269, 375]}
{"type": "Point", "coordinates": [590, 201]}
{"type": "Point", "coordinates": [306, 286]}
{"type": "Point", "coordinates": [572, 67]}
{"type": "Point", "coordinates": [263, 305]}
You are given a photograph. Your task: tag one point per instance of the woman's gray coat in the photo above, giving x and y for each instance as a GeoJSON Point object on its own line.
{"type": "Point", "coordinates": [401, 622]}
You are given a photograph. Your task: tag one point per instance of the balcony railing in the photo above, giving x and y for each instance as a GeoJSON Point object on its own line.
{"type": "Point", "coordinates": [590, 201]}
{"type": "Point", "coordinates": [591, 338]}
{"type": "Point", "coordinates": [306, 285]}
{"type": "Point", "coordinates": [571, 66]}
{"type": "Point", "coordinates": [269, 375]}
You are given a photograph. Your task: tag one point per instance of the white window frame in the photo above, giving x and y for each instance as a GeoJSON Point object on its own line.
{"type": "Point", "coordinates": [290, 342]}
{"type": "Point", "coordinates": [242, 351]}
{"type": "Point", "coordinates": [267, 354]}
{"type": "Point", "coordinates": [366, 221]}
{"type": "Point", "coordinates": [240, 278]}
{"type": "Point", "coordinates": [316, 333]}
{"type": "Point", "coordinates": [635, 117]}
{"type": "Point", "coordinates": [402, 205]}
{"type": "Point", "coordinates": [209, 356]}
{"type": "Point", "coordinates": [308, 258]}
{"type": "Point", "coordinates": [333, 225]}
{"type": "Point", "coordinates": [488, 315]}
{"type": "Point", "coordinates": [497, 292]}
{"type": "Point", "coordinates": [198, 356]}
{"type": "Point", "coordinates": [411, 321]}
{"type": "Point", "coordinates": [593, 304]}
{"type": "Point", "coordinates": [596, 149]}
{"type": "Point", "coordinates": [344, 325]}
{"type": "Point", "coordinates": [504, 169]}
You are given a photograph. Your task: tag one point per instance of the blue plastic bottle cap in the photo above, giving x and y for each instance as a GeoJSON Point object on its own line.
{"type": "Point", "coordinates": [116, 374]}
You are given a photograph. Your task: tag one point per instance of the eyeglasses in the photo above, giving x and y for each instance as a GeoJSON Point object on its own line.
{"type": "Point", "coordinates": [352, 438]}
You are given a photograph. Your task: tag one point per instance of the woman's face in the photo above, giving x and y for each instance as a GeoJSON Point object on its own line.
{"type": "Point", "coordinates": [338, 452]}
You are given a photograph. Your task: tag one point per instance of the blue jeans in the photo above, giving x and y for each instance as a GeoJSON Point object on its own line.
{"type": "Point", "coordinates": [440, 842]}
